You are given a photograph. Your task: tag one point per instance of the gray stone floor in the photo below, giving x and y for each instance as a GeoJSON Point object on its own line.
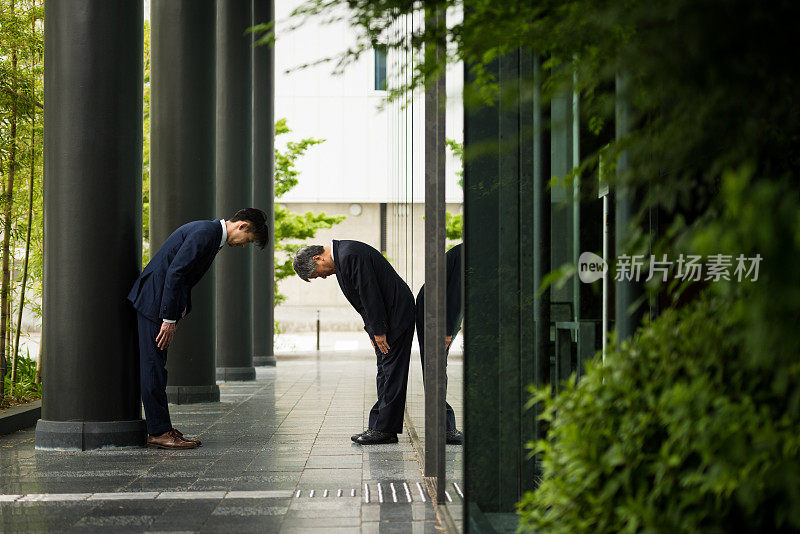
{"type": "Point", "coordinates": [276, 457]}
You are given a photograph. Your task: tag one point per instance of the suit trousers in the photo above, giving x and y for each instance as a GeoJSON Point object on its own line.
{"type": "Point", "coordinates": [392, 380]}
{"type": "Point", "coordinates": [153, 372]}
{"type": "Point", "coordinates": [450, 416]}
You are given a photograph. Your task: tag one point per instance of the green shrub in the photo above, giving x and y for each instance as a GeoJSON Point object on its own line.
{"type": "Point", "coordinates": [25, 389]}
{"type": "Point", "coordinates": [675, 433]}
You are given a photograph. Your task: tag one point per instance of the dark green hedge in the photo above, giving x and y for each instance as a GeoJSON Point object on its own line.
{"type": "Point", "coordinates": [676, 433]}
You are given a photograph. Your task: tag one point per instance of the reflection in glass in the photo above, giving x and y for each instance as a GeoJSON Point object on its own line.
{"type": "Point", "coordinates": [404, 236]}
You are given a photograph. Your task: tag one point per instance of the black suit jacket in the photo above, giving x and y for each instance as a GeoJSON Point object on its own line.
{"type": "Point", "coordinates": [164, 289]}
{"type": "Point", "coordinates": [374, 289]}
{"type": "Point", "coordinates": [453, 291]}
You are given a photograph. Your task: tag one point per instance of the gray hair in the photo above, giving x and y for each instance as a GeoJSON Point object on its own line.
{"type": "Point", "coordinates": [303, 261]}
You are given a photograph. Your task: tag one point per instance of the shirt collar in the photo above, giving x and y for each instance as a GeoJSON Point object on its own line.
{"type": "Point", "coordinates": [224, 233]}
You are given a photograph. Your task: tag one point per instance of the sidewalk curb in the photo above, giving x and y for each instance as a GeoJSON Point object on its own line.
{"type": "Point", "coordinates": [19, 417]}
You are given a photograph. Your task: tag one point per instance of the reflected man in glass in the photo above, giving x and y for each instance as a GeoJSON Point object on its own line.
{"type": "Point", "coordinates": [452, 327]}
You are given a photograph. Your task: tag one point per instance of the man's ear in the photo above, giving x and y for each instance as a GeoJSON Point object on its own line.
{"type": "Point", "coordinates": [244, 226]}
{"type": "Point", "coordinates": [317, 259]}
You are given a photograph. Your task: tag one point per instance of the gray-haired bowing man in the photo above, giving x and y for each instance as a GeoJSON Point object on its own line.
{"type": "Point", "coordinates": [386, 305]}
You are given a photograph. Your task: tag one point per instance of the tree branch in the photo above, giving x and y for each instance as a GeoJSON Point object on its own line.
{"type": "Point", "coordinates": [13, 93]}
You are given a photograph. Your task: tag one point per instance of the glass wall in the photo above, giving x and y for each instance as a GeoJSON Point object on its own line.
{"type": "Point", "coordinates": [406, 230]}
{"type": "Point", "coordinates": [525, 216]}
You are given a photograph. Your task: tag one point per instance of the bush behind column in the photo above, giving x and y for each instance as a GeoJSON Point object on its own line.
{"type": "Point", "coordinates": [678, 432]}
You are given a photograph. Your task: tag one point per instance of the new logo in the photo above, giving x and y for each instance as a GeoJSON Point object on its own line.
{"type": "Point", "coordinates": [591, 267]}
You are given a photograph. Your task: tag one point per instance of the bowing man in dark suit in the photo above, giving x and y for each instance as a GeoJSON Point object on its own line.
{"type": "Point", "coordinates": [452, 327]}
{"type": "Point", "coordinates": [386, 304]}
{"type": "Point", "coordinates": [162, 295]}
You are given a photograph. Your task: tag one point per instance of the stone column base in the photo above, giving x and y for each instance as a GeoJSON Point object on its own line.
{"type": "Point", "coordinates": [236, 374]}
{"type": "Point", "coordinates": [192, 394]}
{"type": "Point", "coordinates": [269, 361]}
{"type": "Point", "coordinates": [89, 435]}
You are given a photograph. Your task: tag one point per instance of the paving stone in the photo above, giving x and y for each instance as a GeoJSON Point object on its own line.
{"type": "Point", "coordinates": [311, 477]}
{"type": "Point", "coordinates": [334, 462]}
{"type": "Point", "coordinates": [311, 530]}
{"type": "Point", "coordinates": [244, 525]}
{"type": "Point", "coordinates": [124, 496]}
{"type": "Point", "coordinates": [287, 431]}
{"type": "Point", "coordinates": [400, 512]}
{"type": "Point", "coordinates": [320, 523]}
{"type": "Point", "coordinates": [114, 522]}
{"type": "Point", "coordinates": [267, 480]}
{"type": "Point", "coordinates": [414, 527]}
{"type": "Point", "coordinates": [245, 509]}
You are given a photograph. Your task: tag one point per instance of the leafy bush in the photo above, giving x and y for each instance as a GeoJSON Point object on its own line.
{"type": "Point", "coordinates": [25, 389]}
{"type": "Point", "coordinates": [290, 226]}
{"type": "Point", "coordinates": [675, 433]}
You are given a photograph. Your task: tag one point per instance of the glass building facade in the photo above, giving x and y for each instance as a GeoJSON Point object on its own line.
{"type": "Point", "coordinates": [526, 213]}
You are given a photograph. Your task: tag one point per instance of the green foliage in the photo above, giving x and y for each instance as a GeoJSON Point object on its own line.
{"type": "Point", "coordinates": [290, 226]}
{"type": "Point", "coordinates": [762, 217]}
{"type": "Point", "coordinates": [692, 426]}
{"type": "Point", "coordinates": [146, 149]}
{"type": "Point", "coordinates": [453, 226]}
{"type": "Point", "coordinates": [454, 222]}
{"type": "Point", "coordinates": [675, 433]}
{"type": "Point", "coordinates": [285, 172]}
{"type": "Point", "coordinates": [25, 389]}
{"type": "Point", "coordinates": [458, 152]}
{"type": "Point", "coordinates": [21, 119]}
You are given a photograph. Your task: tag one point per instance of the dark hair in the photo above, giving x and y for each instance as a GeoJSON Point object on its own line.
{"type": "Point", "coordinates": [258, 224]}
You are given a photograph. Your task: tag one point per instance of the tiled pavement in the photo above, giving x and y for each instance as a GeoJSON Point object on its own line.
{"type": "Point", "coordinates": [266, 446]}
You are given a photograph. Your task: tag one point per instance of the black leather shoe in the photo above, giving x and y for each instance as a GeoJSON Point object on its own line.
{"type": "Point", "coordinates": [454, 437]}
{"type": "Point", "coordinates": [355, 437]}
{"type": "Point", "coordinates": [376, 437]}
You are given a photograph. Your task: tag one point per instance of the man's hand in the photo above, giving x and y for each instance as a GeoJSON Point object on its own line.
{"type": "Point", "coordinates": [447, 341]}
{"type": "Point", "coordinates": [382, 345]}
{"type": "Point", "coordinates": [164, 337]}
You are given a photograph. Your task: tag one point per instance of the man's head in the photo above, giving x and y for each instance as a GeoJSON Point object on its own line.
{"type": "Point", "coordinates": [249, 226]}
{"type": "Point", "coordinates": [313, 261]}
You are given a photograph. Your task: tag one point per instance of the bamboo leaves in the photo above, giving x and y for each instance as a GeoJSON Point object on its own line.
{"type": "Point", "coordinates": [21, 109]}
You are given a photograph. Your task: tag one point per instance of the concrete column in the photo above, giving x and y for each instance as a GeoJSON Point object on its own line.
{"type": "Point", "coordinates": [509, 295]}
{"type": "Point", "coordinates": [626, 292]}
{"type": "Point", "coordinates": [264, 188]}
{"type": "Point", "coordinates": [93, 224]}
{"type": "Point", "coordinates": [481, 283]}
{"type": "Point", "coordinates": [234, 187]}
{"type": "Point", "coordinates": [435, 269]}
{"type": "Point", "coordinates": [507, 249]}
{"type": "Point", "coordinates": [182, 125]}
{"type": "Point", "coordinates": [562, 211]}
{"type": "Point", "coordinates": [541, 243]}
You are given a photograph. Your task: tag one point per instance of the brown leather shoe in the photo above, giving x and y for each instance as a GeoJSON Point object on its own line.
{"type": "Point", "coordinates": [169, 440]}
{"type": "Point", "coordinates": [180, 435]}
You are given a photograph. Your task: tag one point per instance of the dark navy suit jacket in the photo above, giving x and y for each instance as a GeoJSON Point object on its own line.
{"type": "Point", "coordinates": [164, 289]}
{"type": "Point", "coordinates": [453, 291]}
{"type": "Point", "coordinates": [374, 289]}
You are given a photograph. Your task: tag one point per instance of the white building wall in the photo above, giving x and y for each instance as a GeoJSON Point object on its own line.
{"type": "Point", "coordinates": [351, 165]}
{"type": "Point", "coordinates": [354, 163]}
{"type": "Point", "coordinates": [373, 153]}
